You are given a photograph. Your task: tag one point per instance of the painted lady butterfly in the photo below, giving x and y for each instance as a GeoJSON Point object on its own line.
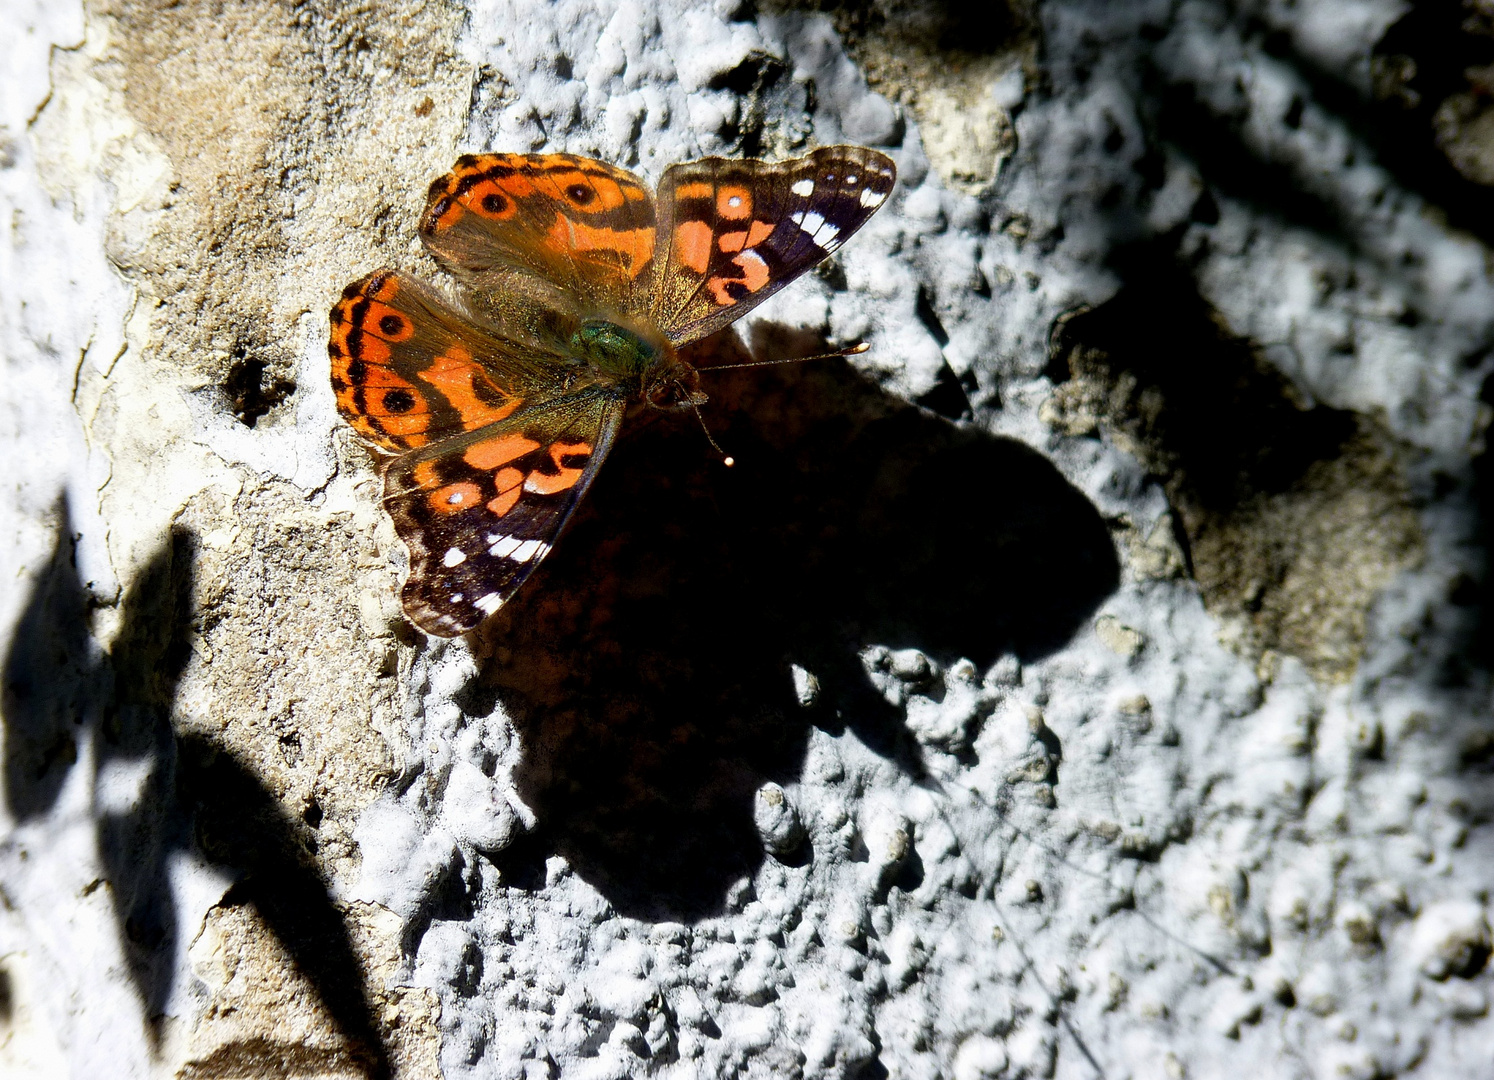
{"type": "Point", "coordinates": [581, 288]}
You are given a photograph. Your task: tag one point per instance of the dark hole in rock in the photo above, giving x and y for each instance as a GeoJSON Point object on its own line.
{"type": "Point", "coordinates": [251, 394]}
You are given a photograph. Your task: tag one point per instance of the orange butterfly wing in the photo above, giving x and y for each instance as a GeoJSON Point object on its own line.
{"type": "Point", "coordinates": [582, 225]}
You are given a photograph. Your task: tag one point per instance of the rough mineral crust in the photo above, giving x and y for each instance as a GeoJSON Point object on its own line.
{"type": "Point", "coordinates": [1091, 679]}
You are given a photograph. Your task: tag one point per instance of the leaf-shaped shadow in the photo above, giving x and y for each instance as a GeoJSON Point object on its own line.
{"type": "Point", "coordinates": [135, 747]}
{"type": "Point", "coordinates": [52, 684]}
{"type": "Point", "coordinates": [157, 786]}
{"type": "Point", "coordinates": [648, 665]}
{"type": "Point", "coordinates": [240, 824]}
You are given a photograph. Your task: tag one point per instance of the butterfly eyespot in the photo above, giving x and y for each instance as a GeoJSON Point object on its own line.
{"type": "Point", "coordinates": [580, 194]}
{"type": "Point", "coordinates": [454, 498]}
{"type": "Point", "coordinates": [735, 200]}
{"type": "Point", "coordinates": [391, 324]}
{"type": "Point", "coordinates": [399, 401]}
{"type": "Point", "coordinates": [494, 203]}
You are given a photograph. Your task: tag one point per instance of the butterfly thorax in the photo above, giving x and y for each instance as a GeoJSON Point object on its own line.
{"type": "Point", "coordinates": [642, 362]}
{"type": "Point", "coordinates": [615, 350]}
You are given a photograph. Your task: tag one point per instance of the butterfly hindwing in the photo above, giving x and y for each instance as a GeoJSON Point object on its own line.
{"type": "Point", "coordinates": [407, 368]}
{"type": "Point", "coordinates": [735, 232]}
{"type": "Point", "coordinates": [479, 512]}
{"type": "Point", "coordinates": [581, 224]}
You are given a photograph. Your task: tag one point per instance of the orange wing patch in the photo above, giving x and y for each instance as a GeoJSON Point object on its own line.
{"type": "Point", "coordinates": [590, 191]}
{"type": "Point", "coordinates": [508, 483]}
{"type": "Point", "coordinates": [466, 387]}
{"type": "Point", "coordinates": [500, 451]}
{"type": "Point", "coordinates": [754, 275]}
{"type": "Point", "coordinates": [756, 233]}
{"type": "Point", "coordinates": [734, 203]}
{"type": "Point", "coordinates": [634, 248]}
{"type": "Point", "coordinates": [490, 200]}
{"type": "Point", "coordinates": [692, 245]}
{"type": "Point", "coordinates": [565, 476]}
{"type": "Point", "coordinates": [488, 185]}
{"type": "Point", "coordinates": [454, 498]}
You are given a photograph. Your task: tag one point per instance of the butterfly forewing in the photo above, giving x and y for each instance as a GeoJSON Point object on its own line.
{"type": "Point", "coordinates": [735, 232]}
{"type": "Point", "coordinates": [581, 224]}
{"type": "Point", "coordinates": [479, 513]}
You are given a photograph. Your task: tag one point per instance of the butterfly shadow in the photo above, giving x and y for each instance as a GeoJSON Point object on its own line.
{"type": "Point", "coordinates": [647, 667]}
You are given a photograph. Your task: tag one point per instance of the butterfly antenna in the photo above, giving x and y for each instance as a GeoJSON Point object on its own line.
{"type": "Point", "coordinates": [850, 350]}
{"type": "Point", "coordinates": [726, 459]}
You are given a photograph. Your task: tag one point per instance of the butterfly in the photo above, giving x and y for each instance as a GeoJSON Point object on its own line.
{"type": "Point", "coordinates": [579, 286]}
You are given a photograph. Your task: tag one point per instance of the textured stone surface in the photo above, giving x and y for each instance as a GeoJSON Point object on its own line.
{"type": "Point", "coordinates": [1091, 680]}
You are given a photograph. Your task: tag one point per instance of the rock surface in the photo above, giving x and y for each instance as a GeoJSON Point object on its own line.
{"type": "Point", "coordinates": [1093, 678]}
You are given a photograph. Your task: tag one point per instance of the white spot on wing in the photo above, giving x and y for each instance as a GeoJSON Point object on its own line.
{"type": "Point", "coordinates": [454, 557]}
{"type": "Point", "coordinates": [504, 546]}
{"type": "Point", "coordinates": [821, 231]}
{"type": "Point", "coordinates": [803, 188]}
{"type": "Point", "coordinates": [488, 604]}
{"type": "Point", "coordinates": [872, 198]}
{"type": "Point", "coordinates": [456, 598]}
{"type": "Point", "coordinates": [529, 549]}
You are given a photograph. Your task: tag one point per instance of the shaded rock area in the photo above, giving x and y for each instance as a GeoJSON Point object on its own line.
{"type": "Point", "coordinates": [1291, 518]}
{"type": "Point", "coordinates": [1092, 678]}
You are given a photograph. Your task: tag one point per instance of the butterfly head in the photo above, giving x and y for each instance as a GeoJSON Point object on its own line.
{"type": "Point", "coordinates": [676, 386]}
